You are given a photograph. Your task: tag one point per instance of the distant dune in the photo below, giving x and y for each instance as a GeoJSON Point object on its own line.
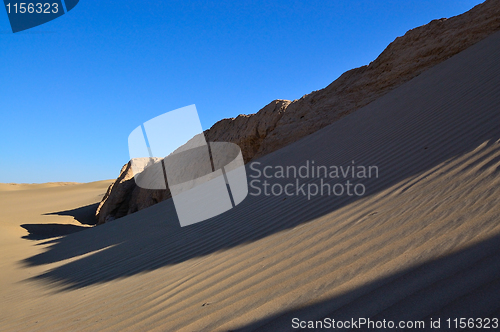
{"type": "Point", "coordinates": [30, 186]}
{"type": "Point", "coordinates": [282, 122]}
{"type": "Point", "coordinates": [422, 242]}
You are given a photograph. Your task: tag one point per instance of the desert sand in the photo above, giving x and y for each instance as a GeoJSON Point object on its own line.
{"type": "Point", "coordinates": [423, 242]}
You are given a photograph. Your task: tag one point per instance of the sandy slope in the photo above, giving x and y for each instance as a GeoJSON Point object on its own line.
{"type": "Point", "coordinates": [423, 242]}
{"type": "Point", "coordinates": [39, 205]}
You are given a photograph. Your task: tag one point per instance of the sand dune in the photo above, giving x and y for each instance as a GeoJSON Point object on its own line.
{"type": "Point", "coordinates": [423, 242]}
{"type": "Point", "coordinates": [282, 122]}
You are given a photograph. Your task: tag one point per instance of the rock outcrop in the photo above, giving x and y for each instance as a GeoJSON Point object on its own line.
{"type": "Point", "coordinates": [124, 197]}
{"type": "Point", "coordinates": [283, 122]}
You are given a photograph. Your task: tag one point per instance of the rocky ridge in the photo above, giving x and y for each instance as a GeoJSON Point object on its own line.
{"type": "Point", "coordinates": [282, 122]}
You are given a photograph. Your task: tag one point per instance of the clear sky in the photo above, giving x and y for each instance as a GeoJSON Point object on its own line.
{"type": "Point", "coordinates": [73, 89]}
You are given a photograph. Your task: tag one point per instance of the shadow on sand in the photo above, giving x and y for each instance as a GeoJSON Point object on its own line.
{"type": "Point", "coordinates": [463, 284]}
{"type": "Point", "coordinates": [442, 114]}
{"type": "Point", "coordinates": [47, 231]}
{"type": "Point", "coordinates": [85, 215]}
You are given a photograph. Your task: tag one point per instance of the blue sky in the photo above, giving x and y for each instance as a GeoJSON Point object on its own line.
{"type": "Point", "coordinates": [73, 89]}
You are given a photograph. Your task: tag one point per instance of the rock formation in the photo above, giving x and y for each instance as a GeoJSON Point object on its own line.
{"type": "Point", "coordinates": [282, 122]}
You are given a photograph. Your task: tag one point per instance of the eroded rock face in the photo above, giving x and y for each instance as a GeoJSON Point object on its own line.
{"type": "Point", "coordinates": [282, 122]}
{"type": "Point", "coordinates": [125, 197]}
{"type": "Point", "coordinates": [248, 131]}
{"type": "Point", "coordinates": [405, 58]}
